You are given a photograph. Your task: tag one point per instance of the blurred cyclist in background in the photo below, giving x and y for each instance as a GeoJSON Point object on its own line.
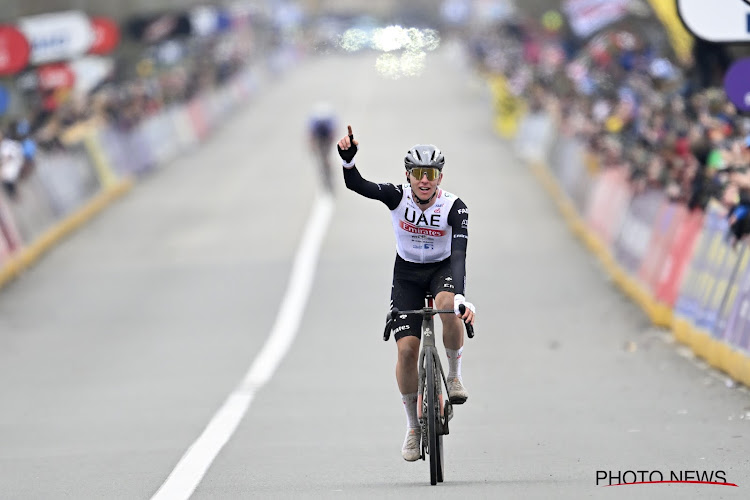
{"type": "Point", "coordinates": [432, 233]}
{"type": "Point", "coordinates": [321, 135]}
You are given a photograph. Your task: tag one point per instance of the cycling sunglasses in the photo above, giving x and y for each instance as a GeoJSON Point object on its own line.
{"type": "Point", "coordinates": [419, 172]}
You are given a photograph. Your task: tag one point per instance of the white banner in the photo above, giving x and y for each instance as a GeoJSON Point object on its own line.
{"type": "Point", "coordinates": [717, 21]}
{"type": "Point", "coordinates": [589, 16]}
{"type": "Point", "coordinates": [57, 37]}
{"type": "Point", "coordinates": [89, 71]}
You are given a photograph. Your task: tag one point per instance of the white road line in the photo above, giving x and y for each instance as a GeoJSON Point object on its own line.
{"type": "Point", "coordinates": [193, 465]}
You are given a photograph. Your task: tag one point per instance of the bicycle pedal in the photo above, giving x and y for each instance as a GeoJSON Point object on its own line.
{"type": "Point", "coordinates": [448, 412]}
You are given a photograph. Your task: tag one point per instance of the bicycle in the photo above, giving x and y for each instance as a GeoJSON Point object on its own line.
{"type": "Point", "coordinates": [430, 390]}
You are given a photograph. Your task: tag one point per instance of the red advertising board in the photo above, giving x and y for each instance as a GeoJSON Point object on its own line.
{"type": "Point", "coordinates": [55, 76]}
{"type": "Point", "coordinates": [679, 256]}
{"type": "Point", "coordinates": [14, 50]}
{"type": "Point", "coordinates": [106, 35]}
{"type": "Point", "coordinates": [668, 221]}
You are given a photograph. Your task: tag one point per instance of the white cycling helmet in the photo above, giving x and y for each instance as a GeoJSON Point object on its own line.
{"type": "Point", "coordinates": [424, 155]}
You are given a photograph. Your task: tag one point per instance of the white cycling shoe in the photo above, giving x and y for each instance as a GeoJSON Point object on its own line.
{"type": "Point", "coordinates": [457, 393]}
{"type": "Point", "coordinates": [411, 449]}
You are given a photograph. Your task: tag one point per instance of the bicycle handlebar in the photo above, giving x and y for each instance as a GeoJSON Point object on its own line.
{"type": "Point", "coordinates": [426, 311]}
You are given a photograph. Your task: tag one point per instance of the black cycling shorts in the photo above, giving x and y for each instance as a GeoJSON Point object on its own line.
{"type": "Point", "coordinates": [411, 282]}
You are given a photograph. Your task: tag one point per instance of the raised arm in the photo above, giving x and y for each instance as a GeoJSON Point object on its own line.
{"type": "Point", "coordinates": [387, 193]}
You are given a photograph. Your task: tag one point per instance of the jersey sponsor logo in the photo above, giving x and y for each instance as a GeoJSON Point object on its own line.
{"type": "Point", "coordinates": [411, 228]}
{"type": "Point", "coordinates": [465, 223]}
{"type": "Point", "coordinates": [434, 218]}
{"type": "Point", "coordinates": [462, 211]}
{"type": "Point", "coordinates": [437, 210]}
{"type": "Point", "coordinates": [426, 246]}
{"type": "Point", "coordinates": [461, 236]}
{"type": "Point", "coordinates": [401, 329]}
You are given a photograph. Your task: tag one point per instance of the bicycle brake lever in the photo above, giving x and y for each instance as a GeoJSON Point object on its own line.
{"type": "Point", "coordinates": [389, 318]}
{"type": "Point", "coordinates": [469, 327]}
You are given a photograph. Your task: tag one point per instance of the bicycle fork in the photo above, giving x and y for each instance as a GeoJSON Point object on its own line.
{"type": "Point", "coordinates": [428, 343]}
{"type": "Point", "coordinates": [420, 390]}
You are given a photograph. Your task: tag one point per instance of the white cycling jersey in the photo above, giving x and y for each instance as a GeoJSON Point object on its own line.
{"type": "Point", "coordinates": [423, 237]}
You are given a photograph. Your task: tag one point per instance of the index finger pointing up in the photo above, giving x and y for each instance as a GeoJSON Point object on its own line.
{"type": "Point", "coordinates": [349, 128]}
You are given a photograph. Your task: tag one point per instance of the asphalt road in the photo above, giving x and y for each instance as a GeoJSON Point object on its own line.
{"type": "Point", "coordinates": [117, 349]}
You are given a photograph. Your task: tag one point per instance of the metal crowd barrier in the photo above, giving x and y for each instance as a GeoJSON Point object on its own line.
{"type": "Point", "coordinates": [67, 187]}
{"type": "Point", "coordinates": [678, 265]}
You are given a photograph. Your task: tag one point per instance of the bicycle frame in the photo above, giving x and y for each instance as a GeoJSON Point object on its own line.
{"type": "Point", "coordinates": [428, 344]}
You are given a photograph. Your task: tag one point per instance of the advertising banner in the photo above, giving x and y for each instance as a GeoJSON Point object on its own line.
{"type": "Point", "coordinates": [668, 219]}
{"type": "Point", "coordinates": [632, 243]}
{"type": "Point", "coordinates": [15, 50]}
{"type": "Point", "coordinates": [126, 151]}
{"type": "Point", "coordinates": [55, 76]}
{"type": "Point", "coordinates": [9, 234]}
{"type": "Point", "coordinates": [69, 178]}
{"type": "Point", "coordinates": [716, 295]}
{"type": "Point", "coordinates": [688, 298]}
{"type": "Point", "coordinates": [197, 113]}
{"type": "Point", "coordinates": [162, 138]}
{"type": "Point", "coordinates": [184, 132]}
{"type": "Point", "coordinates": [730, 300]}
{"type": "Point", "coordinates": [705, 267]}
{"type": "Point", "coordinates": [58, 36]}
{"type": "Point", "coordinates": [106, 35]}
{"type": "Point", "coordinates": [32, 210]}
{"type": "Point", "coordinates": [588, 16]}
{"type": "Point", "coordinates": [608, 202]}
{"type": "Point", "coordinates": [721, 261]}
{"type": "Point", "coordinates": [568, 163]}
{"type": "Point", "coordinates": [685, 248]}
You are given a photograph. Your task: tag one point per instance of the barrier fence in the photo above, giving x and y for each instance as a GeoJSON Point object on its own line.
{"type": "Point", "coordinates": [67, 187]}
{"type": "Point", "coordinates": [678, 265]}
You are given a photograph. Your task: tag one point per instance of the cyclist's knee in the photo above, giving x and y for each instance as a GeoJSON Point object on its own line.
{"type": "Point", "coordinates": [444, 300]}
{"type": "Point", "coordinates": [408, 349]}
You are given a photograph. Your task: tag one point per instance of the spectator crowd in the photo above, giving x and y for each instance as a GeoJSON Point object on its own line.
{"type": "Point", "coordinates": [134, 90]}
{"type": "Point", "coordinates": [636, 106]}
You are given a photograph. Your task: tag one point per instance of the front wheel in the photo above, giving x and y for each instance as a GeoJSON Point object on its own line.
{"type": "Point", "coordinates": [434, 441]}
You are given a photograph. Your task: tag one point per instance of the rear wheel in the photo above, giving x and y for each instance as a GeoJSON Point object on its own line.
{"type": "Point", "coordinates": [434, 441]}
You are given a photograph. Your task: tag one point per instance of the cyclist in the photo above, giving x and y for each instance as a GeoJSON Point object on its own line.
{"type": "Point", "coordinates": [321, 128]}
{"type": "Point", "coordinates": [431, 227]}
